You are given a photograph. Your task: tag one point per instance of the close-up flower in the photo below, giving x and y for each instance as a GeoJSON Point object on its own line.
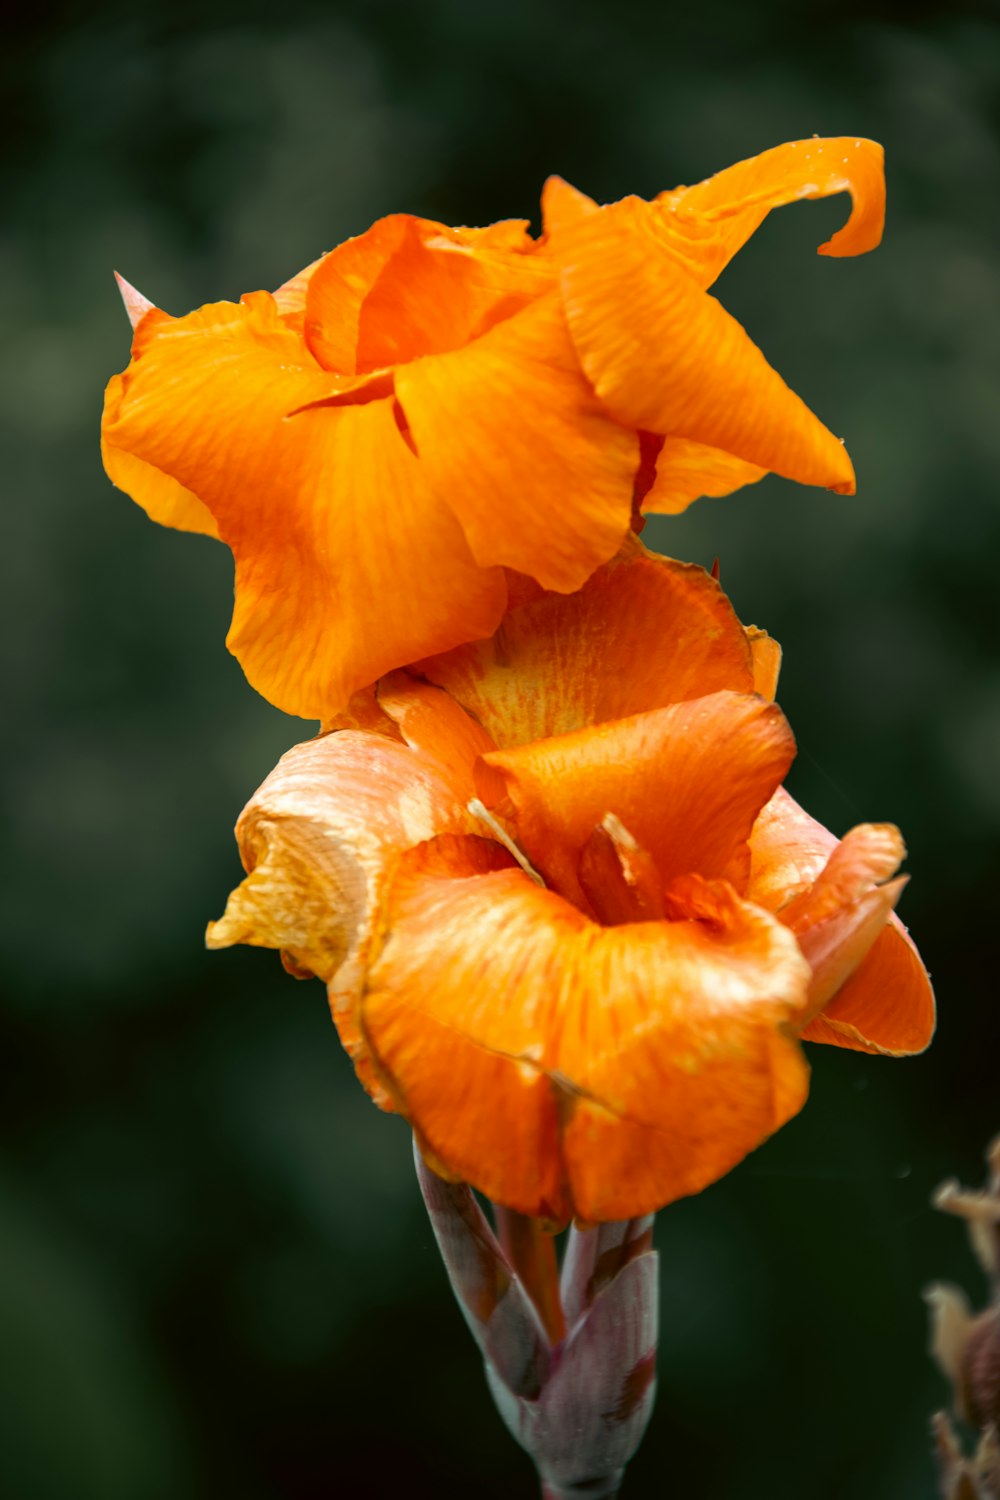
{"type": "Point", "coordinates": [425, 407]}
{"type": "Point", "coordinates": [572, 925]}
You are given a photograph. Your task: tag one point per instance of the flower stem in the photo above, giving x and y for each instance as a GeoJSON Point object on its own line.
{"type": "Point", "coordinates": [591, 1489]}
{"type": "Point", "coordinates": [532, 1253]}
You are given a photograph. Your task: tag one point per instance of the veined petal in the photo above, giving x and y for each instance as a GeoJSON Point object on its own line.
{"type": "Point", "coordinates": [318, 840]}
{"type": "Point", "coordinates": [886, 1006]}
{"type": "Point", "coordinates": [707, 224]}
{"type": "Point", "coordinates": [410, 287]}
{"type": "Point", "coordinates": [430, 721]}
{"type": "Point", "coordinates": [666, 357]}
{"type": "Point", "coordinates": [290, 298]}
{"type": "Point", "coordinates": [766, 654]}
{"type": "Point", "coordinates": [838, 898]}
{"type": "Point", "coordinates": [508, 430]}
{"type": "Point", "coordinates": [347, 565]}
{"type": "Point", "coordinates": [687, 782]}
{"type": "Point", "coordinates": [687, 471]}
{"type": "Point", "coordinates": [644, 631]}
{"type": "Point", "coordinates": [561, 1067]}
{"type": "Point", "coordinates": [161, 497]}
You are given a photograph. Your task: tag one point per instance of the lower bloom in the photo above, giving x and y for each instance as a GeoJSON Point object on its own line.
{"type": "Point", "coordinates": [572, 926]}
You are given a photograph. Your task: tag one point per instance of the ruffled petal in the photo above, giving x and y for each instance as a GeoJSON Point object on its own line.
{"type": "Point", "coordinates": [687, 781]}
{"type": "Point", "coordinates": [508, 430]}
{"type": "Point", "coordinates": [837, 896]}
{"type": "Point", "coordinates": [886, 1006]}
{"type": "Point", "coordinates": [290, 298]}
{"type": "Point", "coordinates": [563, 1068]}
{"type": "Point", "coordinates": [707, 224]}
{"type": "Point", "coordinates": [666, 357]}
{"type": "Point", "coordinates": [160, 496]}
{"type": "Point", "coordinates": [687, 471]}
{"type": "Point", "coordinates": [410, 287]}
{"type": "Point", "coordinates": [318, 841]}
{"type": "Point", "coordinates": [643, 632]}
{"type": "Point", "coordinates": [347, 565]}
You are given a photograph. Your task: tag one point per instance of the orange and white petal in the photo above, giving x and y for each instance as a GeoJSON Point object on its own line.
{"type": "Point", "coordinates": [318, 840]}
{"type": "Point", "coordinates": [687, 471]}
{"type": "Point", "coordinates": [707, 224]}
{"type": "Point", "coordinates": [838, 897]}
{"type": "Point", "coordinates": [644, 631]}
{"type": "Point", "coordinates": [666, 357]}
{"type": "Point", "coordinates": [160, 496]}
{"type": "Point", "coordinates": [347, 566]}
{"type": "Point", "coordinates": [687, 781]}
{"type": "Point", "coordinates": [509, 432]}
{"type": "Point", "coordinates": [564, 1068]}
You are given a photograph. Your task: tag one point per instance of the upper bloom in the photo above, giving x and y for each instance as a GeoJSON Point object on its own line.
{"type": "Point", "coordinates": [404, 420]}
{"type": "Point", "coordinates": [571, 925]}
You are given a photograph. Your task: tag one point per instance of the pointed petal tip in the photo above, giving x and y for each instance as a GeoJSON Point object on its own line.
{"type": "Point", "coordinates": [136, 305]}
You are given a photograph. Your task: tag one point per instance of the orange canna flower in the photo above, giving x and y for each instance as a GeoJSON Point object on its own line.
{"type": "Point", "coordinates": [571, 925]}
{"type": "Point", "coordinates": [404, 419]}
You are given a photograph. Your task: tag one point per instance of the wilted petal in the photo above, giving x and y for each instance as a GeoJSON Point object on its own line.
{"type": "Point", "coordinates": [643, 632]}
{"type": "Point", "coordinates": [318, 840]}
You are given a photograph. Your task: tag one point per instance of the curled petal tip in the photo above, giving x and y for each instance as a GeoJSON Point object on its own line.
{"type": "Point", "coordinates": [136, 305]}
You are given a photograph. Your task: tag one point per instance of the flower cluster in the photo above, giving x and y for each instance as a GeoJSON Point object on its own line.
{"type": "Point", "coordinates": [572, 926]}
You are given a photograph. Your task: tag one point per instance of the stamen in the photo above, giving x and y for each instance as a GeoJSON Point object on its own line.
{"type": "Point", "coordinates": [476, 808]}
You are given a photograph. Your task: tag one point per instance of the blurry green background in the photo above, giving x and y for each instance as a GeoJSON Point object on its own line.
{"type": "Point", "coordinates": [215, 1274]}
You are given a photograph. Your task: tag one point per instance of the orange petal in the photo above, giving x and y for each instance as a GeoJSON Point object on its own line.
{"type": "Point", "coordinates": [508, 429]}
{"type": "Point", "coordinates": [346, 565]}
{"type": "Point", "coordinates": [707, 224]}
{"type": "Point", "coordinates": [318, 840]}
{"type": "Point", "coordinates": [564, 1068]}
{"type": "Point", "coordinates": [410, 287]}
{"type": "Point", "coordinates": [687, 781]}
{"type": "Point", "coordinates": [644, 631]}
{"type": "Point", "coordinates": [666, 357]}
{"type": "Point", "coordinates": [687, 471]}
{"type": "Point", "coordinates": [766, 655]}
{"type": "Point", "coordinates": [162, 498]}
{"type": "Point", "coordinates": [619, 877]}
{"type": "Point", "coordinates": [886, 1006]}
{"type": "Point", "coordinates": [433, 723]}
{"type": "Point", "coordinates": [290, 298]}
{"type": "Point", "coordinates": [829, 891]}
{"type": "Point", "coordinates": [563, 204]}
{"type": "Point", "coordinates": [839, 916]}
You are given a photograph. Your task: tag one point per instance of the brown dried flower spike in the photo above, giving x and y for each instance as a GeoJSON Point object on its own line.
{"type": "Point", "coordinates": [966, 1346]}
